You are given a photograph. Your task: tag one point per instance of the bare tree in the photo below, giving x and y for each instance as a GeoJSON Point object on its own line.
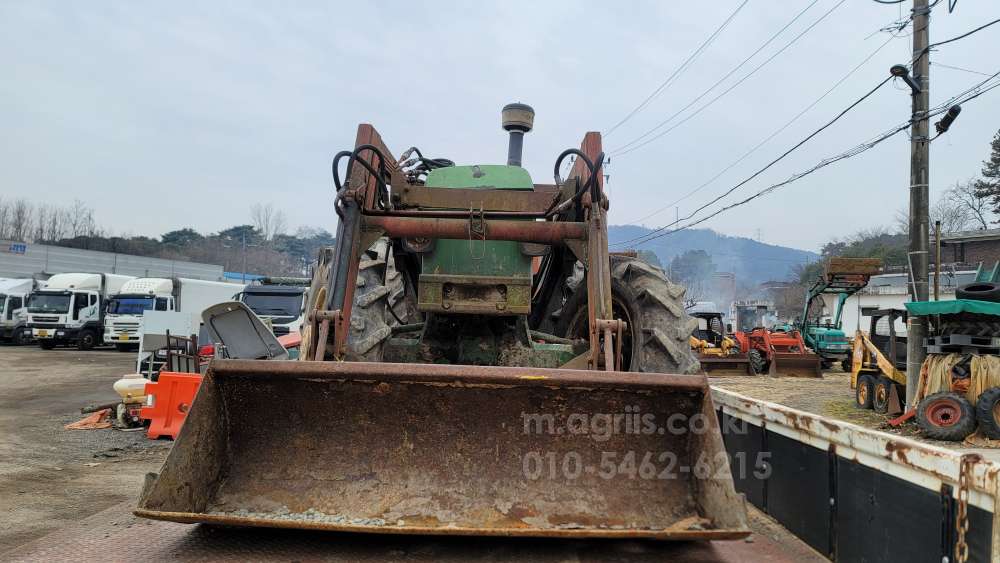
{"type": "Point", "coordinates": [4, 219]}
{"type": "Point", "coordinates": [20, 220]}
{"type": "Point", "coordinates": [268, 220]}
{"type": "Point", "coordinates": [977, 208]}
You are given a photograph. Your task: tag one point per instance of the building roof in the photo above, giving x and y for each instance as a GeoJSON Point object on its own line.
{"type": "Point", "coordinates": [966, 236]}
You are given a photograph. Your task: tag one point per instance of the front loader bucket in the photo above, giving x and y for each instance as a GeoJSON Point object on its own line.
{"type": "Point", "coordinates": [795, 364]}
{"type": "Point", "coordinates": [721, 367]}
{"type": "Point", "coordinates": [442, 449]}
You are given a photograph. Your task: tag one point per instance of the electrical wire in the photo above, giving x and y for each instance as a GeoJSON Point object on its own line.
{"type": "Point", "coordinates": [771, 136]}
{"type": "Point", "coordinates": [730, 73]}
{"type": "Point", "coordinates": [854, 151]}
{"type": "Point", "coordinates": [942, 65]}
{"type": "Point", "coordinates": [680, 70]}
{"type": "Point", "coordinates": [780, 158]}
{"type": "Point", "coordinates": [927, 49]}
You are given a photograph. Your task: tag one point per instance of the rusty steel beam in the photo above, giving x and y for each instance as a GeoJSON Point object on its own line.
{"type": "Point", "coordinates": [547, 232]}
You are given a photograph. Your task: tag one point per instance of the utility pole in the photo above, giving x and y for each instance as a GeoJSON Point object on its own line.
{"type": "Point", "coordinates": [919, 179]}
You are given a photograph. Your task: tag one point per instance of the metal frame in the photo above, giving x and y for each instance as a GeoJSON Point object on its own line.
{"type": "Point", "coordinates": [419, 212]}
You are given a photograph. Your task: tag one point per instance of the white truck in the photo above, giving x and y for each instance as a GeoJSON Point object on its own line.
{"type": "Point", "coordinates": [123, 323]}
{"type": "Point", "coordinates": [278, 305]}
{"type": "Point", "coordinates": [13, 313]}
{"type": "Point", "coordinates": [69, 309]}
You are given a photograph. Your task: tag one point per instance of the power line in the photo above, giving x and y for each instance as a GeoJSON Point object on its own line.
{"type": "Point", "coordinates": [825, 162]}
{"type": "Point", "coordinates": [927, 49]}
{"type": "Point", "coordinates": [942, 65]}
{"type": "Point", "coordinates": [680, 70]}
{"type": "Point", "coordinates": [783, 155]}
{"type": "Point", "coordinates": [733, 71]}
{"type": "Point", "coordinates": [772, 135]}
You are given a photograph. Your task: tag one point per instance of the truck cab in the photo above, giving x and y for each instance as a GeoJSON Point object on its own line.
{"type": "Point", "coordinates": [13, 313]}
{"type": "Point", "coordinates": [280, 306]}
{"type": "Point", "coordinates": [69, 309]}
{"type": "Point", "coordinates": [123, 322]}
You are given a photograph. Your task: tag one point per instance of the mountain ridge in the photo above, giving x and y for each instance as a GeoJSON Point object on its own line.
{"type": "Point", "coordinates": [752, 262]}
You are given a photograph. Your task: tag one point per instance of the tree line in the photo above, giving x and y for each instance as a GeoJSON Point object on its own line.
{"type": "Point", "coordinates": [263, 243]}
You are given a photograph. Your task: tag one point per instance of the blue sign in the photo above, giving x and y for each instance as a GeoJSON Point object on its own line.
{"type": "Point", "coordinates": [18, 248]}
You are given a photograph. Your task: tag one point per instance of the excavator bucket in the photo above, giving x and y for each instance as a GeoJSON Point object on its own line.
{"type": "Point", "coordinates": [447, 449]}
{"type": "Point", "coordinates": [721, 366]}
{"type": "Point", "coordinates": [795, 364]}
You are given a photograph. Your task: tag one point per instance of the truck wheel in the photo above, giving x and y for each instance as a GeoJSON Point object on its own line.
{"type": "Point", "coordinates": [847, 365]}
{"type": "Point", "coordinates": [946, 416]}
{"type": "Point", "coordinates": [659, 329]}
{"type": "Point", "coordinates": [46, 344]}
{"type": "Point", "coordinates": [87, 340]}
{"type": "Point", "coordinates": [17, 338]}
{"type": "Point", "coordinates": [757, 362]}
{"type": "Point", "coordinates": [825, 364]}
{"type": "Point", "coordinates": [988, 413]}
{"type": "Point", "coordinates": [864, 391]}
{"type": "Point", "coordinates": [880, 394]}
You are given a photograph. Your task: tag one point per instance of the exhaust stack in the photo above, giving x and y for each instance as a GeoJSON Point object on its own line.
{"type": "Point", "coordinates": [517, 119]}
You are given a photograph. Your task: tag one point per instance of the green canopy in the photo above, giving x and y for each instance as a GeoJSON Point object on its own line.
{"type": "Point", "coordinates": [952, 307]}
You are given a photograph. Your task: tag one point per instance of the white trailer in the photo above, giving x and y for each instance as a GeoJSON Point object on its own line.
{"type": "Point", "coordinates": [69, 309]}
{"type": "Point", "coordinates": [13, 311]}
{"type": "Point", "coordinates": [123, 326]}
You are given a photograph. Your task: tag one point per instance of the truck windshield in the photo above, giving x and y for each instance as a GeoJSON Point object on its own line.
{"type": "Point", "coordinates": [3, 304]}
{"type": "Point", "coordinates": [130, 305]}
{"type": "Point", "coordinates": [274, 304]}
{"type": "Point", "coordinates": [48, 303]}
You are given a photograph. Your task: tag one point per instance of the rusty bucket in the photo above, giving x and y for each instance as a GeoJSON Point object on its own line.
{"type": "Point", "coordinates": [796, 364]}
{"type": "Point", "coordinates": [440, 449]}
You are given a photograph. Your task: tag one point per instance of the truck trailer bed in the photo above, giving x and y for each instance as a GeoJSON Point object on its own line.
{"type": "Point", "coordinates": [116, 535]}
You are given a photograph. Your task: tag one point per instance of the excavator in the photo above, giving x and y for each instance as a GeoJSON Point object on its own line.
{"type": "Point", "coordinates": [457, 376]}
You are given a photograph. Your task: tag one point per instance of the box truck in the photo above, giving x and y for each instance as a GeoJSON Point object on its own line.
{"type": "Point", "coordinates": [123, 325]}
{"type": "Point", "coordinates": [13, 313]}
{"type": "Point", "coordinates": [69, 309]}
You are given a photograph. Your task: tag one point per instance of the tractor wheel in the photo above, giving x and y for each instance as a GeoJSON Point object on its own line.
{"type": "Point", "coordinates": [758, 362]}
{"type": "Point", "coordinates": [659, 329]}
{"type": "Point", "coordinates": [988, 413]}
{"type": "Point", "coordinates": [370, 319]}
{"type": "Point", "coordinates": [864, 391]}
{"type": "Point", "coordinates": [880, 394]}
{"type": "Point", "coordinates": [946, 416]}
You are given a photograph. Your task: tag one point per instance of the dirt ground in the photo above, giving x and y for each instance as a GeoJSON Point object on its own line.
{"type": "Point", "coordinates": [831, 396]}
{"type": "Point", "coordinates": [49, 476]}
{"type": "Point", "coordinates": [51, 479]}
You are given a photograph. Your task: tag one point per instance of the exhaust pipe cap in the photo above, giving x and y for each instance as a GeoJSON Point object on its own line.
{"type": "Point", "coordinates": [517, 117]}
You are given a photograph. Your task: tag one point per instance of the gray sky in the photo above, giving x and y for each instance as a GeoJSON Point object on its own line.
{"type": "Point", "coordinates": [184, 114]}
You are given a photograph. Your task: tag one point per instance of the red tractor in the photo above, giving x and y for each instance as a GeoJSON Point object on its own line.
{"type": "Point", "coordinates": [779, 352]}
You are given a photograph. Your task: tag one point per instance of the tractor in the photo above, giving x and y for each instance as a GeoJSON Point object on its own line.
{"type": "Point", "coordinates": [466, 341]}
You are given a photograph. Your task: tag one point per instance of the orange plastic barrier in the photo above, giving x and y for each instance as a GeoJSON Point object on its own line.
{"type": "Point", "coordinates": [171, 397]}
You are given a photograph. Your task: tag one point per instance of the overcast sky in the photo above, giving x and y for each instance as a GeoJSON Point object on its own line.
{"type": "Point", "coordinates": [166, 115]}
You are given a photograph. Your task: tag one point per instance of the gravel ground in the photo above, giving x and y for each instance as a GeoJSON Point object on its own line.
{"type": "Point", "coordinates": [50, 476]}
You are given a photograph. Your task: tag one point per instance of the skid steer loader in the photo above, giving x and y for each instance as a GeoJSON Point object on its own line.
{"type": "Point", "coordinates": [458, 376]}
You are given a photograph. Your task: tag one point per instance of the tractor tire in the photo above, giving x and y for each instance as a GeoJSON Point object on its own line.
{"type": "Point", "coordinates": [946, 416]}
{"type": "Point", "coordinates": [87, 340]}
{"type": "Point", "coordinates": [370, 319]}
{"type": "Point", "coordinates": [988, 413]}
{"type": "Point", "coordinates": [659, 329]}
{"type": "Point", "coordinates": [880, 394]}
{"type": "Point", "coordinates": [758, 363]}
{"type": "Point", "coordinates": [864, 391]}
